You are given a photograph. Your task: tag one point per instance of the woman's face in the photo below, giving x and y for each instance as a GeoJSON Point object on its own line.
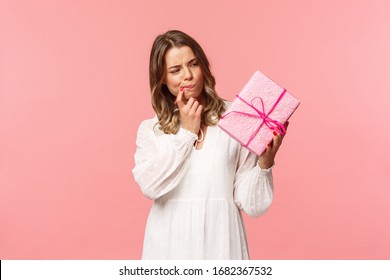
{"type": "Point", "coordinates": [183, 70]}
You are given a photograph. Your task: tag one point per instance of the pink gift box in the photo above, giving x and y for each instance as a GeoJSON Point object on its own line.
{"type": "Point", "coordinates": [261, 107]}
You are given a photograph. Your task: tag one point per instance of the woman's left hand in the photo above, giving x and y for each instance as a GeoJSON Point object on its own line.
{"type": "Point", "coordinates": [266, 160]}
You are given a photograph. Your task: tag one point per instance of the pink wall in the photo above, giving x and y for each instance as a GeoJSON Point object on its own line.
{"type": "Point", "coordinates": [74, 87]}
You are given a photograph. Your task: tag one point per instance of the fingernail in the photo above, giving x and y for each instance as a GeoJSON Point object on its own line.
{"type": "Point", "coordinates": [268, 145]}
{"type": "Point", "coordinates": [274, 133]}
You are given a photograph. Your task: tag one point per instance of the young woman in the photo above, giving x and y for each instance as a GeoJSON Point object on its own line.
{"type": "Point", "coordinates": [199, 177]}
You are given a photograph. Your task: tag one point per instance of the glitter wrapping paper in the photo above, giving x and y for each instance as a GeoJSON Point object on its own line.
{"type": "Point", "coordinates": [260, 104]}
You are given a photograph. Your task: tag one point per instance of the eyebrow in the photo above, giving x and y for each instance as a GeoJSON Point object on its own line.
{"type": "Point", "coordinates": [189, 62]}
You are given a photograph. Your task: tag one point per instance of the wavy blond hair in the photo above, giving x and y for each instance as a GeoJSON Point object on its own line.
{"type": "Point", "coordinates": [163, 100]}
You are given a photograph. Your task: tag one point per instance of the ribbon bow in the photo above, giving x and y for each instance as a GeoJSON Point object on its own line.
{"type": "Point", "coordinates": [271, 123]}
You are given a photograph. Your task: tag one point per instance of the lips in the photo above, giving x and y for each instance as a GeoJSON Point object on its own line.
{"type": "Point", "coordinates": [187, 87]}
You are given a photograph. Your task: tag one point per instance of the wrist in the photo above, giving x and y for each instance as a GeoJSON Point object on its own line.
{"type": "Point", "coordinates": [265, 165]}
{"type": "Point", "coordinates": [189, 128]}
{"type": "Point", "coordinates": [187, 135]}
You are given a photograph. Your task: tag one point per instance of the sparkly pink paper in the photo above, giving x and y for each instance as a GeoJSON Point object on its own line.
{"type": "Point", "coordinates": [241, 127]}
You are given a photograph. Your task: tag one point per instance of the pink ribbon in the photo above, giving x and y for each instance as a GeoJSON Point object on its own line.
{"type": "Point", "coordinates": [271, 123]}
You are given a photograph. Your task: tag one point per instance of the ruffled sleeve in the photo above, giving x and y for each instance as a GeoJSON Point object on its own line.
{"type": "Point", "coordinates": [160, 159]}
{"type": "Point", "coordinates": [253, 186]}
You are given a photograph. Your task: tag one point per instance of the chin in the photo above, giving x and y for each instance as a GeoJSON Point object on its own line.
{"type": "Point", "coordinates": [191, 94]}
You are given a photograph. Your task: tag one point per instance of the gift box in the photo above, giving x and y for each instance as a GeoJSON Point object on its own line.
{"type": "Point", "coordinates": [261, 107]}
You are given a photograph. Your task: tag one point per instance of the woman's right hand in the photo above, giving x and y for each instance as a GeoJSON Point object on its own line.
{"type": "Point", "coordinates": [190, 113]}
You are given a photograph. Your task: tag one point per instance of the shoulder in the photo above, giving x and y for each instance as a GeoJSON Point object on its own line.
{"type": "Point", "coordinates": [148, 126]}
{"type": "Point", "coordinates": [149, 122]}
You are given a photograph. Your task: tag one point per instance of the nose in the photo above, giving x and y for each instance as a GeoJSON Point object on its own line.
{"type": "Point", "coordinates": [187, 73]}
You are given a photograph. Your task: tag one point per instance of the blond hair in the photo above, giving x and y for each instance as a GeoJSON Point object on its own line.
{"type": "Point", "coordinates": [163, 100]}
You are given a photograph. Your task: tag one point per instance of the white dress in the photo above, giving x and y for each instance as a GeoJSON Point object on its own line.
{"type": "Point", "coordinates": [198, 194]}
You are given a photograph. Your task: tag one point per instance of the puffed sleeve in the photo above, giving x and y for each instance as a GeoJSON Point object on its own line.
{"type": "Point", "coordinates": [253, 186]}
{"type": "Point", "coordinates": [160, 159]}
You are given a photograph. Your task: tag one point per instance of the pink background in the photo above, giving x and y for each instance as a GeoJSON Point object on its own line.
{"type": "Point", "coordinates": [74, 88]}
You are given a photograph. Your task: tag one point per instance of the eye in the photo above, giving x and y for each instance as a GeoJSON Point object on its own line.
{"type": "Point", "coordinates": [175, 71]}
{"type": "Point", "coordinates": [194, 64]}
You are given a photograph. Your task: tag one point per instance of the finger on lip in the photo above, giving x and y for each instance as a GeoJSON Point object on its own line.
{"type": "Point", "coordinates": [179, 96]}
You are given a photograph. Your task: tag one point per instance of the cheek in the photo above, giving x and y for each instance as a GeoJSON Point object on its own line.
{"type": "Point", "coordinates": [173, 85]}
{"type": "Point", "coordinates": [200, 76]}
{"type": "Point", "coordinates": [173, 80]}
{"type": "Point", "coordinates": [201, 81]}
